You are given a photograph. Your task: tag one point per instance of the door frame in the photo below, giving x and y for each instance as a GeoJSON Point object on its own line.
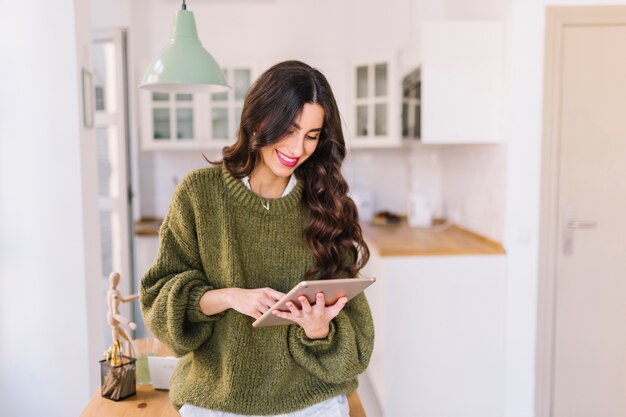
{"type": "Point", "coordinates": [557, 19]}
{"type": "Point", "coordinates": [121, 119]}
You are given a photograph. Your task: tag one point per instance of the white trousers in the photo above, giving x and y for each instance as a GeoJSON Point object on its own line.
{"type": "Point", "coordinates": [332, 407]}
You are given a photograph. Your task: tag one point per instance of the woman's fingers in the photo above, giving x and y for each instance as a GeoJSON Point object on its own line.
{"type": "Point", "coordinates": [320, 303]}
{"type": "Point", "coordinates": [312, 313]}
{"type": "Point", "coordinates": [268, 301]}
{"type": "Point", "coordinates": [312, 318]}
{"type": "Point", "coordinates": [304, 302]}
{"type": "Point", "coordinates": [255, 302]}
{"type": "Point", "coordinates": [336, 308]}
{"type": "Point", "coordinates": [294, 310]}
{"type": "Point", "coordinates": [286, 315]}
{"type": "Point", "coordinates": [275, 295]}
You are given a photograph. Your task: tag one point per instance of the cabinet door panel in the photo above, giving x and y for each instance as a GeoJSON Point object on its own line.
{"type": "Point", "coordinates": [462, 74]}
{"type": "Point", "coordinates": [219, 120]}
{"type": "Point", "coordinates": [161, 124]}
{"type": "Point", "coordinates": [374, 118]}
{"type": "Point", "coordinates": [184, 123]}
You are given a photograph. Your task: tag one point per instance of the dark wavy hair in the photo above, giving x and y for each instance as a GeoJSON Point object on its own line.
{"type": "Point", "coordinates": [332, 232]}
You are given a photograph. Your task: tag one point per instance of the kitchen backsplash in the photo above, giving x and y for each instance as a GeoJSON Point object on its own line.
{"type": "Point", "coordinates": [159, 174]}
{"type": "Point", "coordinates": [474, 184]}
{"type": "Point", "coordinates": [465, 183]}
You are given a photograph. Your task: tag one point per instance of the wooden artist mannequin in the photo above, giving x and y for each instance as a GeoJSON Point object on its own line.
{"type": "Point", "coordinates": [114, 318]}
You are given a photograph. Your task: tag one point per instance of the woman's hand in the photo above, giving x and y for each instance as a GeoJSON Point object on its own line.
{"type": "Point", "coordinates": [313, 319]}
{"type": "Point", "coordinates": [253, 302]}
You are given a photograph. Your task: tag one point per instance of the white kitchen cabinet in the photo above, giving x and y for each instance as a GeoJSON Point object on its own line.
{"type": "Point", "coordinates": [195, 121]}
{"type": "Point", "coordinates": [462, 69]}
{"type": "Point", "coordinates": [170, 121]}
{"type": "Point", "coordinates": [440, 332]}
{"type": "Point", "coordinates": [374, 105]}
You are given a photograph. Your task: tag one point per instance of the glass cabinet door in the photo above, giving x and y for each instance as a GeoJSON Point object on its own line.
{"type": "Point", "coordinates": [381, 99]}
{"type": "Point", "coordinates": [184, 117]}
{"type": "Point", "coordinates": [225, 107]}
{"type": "Point", "coordinates": [219, 123]}
{"type": "Point", "coordinates": [219, 112]}
{"type": "Point", "coordinates": [373, 104]}
{"type": "Point", "coordinates": [411, 105]}
{"type": "Point", "coordinates": [161, 124]}
{"type": "Point", "coordinates": [172, 117]}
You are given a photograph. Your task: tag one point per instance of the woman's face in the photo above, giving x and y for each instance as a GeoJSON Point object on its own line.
{"type": "Point", "coordinates": [283, 157]}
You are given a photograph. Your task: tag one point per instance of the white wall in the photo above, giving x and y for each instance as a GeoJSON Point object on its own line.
{"type": "Point", "coordinates": [107, 14]}
{"type": "Point", "coordinates": [384, 172]}
{"type": "Point", "coordinates": [161, 171]}
{"type": "Point", "coordinates": [473, 186]}
{"type": "Point", "coordinates": [525, 59]}
{"type": "Point", "coordinates": [521, 225]}
{"type": "Point", "coordinates": [476, 9]}
{"type": "Point", "coordinates": [279, 28]}
{"type": "Point", "coordinates": [48, 214]}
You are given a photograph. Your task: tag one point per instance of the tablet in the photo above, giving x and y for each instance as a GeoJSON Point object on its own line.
{"type": "Point", "coordinates": [333, 290]}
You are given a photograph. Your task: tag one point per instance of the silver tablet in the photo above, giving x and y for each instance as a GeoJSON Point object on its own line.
{"type": "Point", "coordinates": [333, 290]}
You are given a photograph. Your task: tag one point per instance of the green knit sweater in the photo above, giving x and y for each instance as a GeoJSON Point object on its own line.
{"type": "Point", "coordinates": [217, 234]}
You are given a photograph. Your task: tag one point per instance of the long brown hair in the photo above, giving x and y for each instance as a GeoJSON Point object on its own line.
{"type": "Point", "coordinates": [332, 232]}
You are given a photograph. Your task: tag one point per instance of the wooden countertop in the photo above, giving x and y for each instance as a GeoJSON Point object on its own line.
{"type": "Point", "coordinates": [148, 403]}
{"type": "Point", "coordinates": [148, 226]}
{"type": "Point", "coordinates": [156, 403]}
{"type": "Point", "coordinates": [403, 240]}
{"type": "Point", "coordinates": [397, 240]}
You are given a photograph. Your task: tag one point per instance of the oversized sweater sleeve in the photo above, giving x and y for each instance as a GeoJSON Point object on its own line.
{"type": "Point", "coordinates": [345, 352]}
{"type": "Point", "coordinates": [171, 289]}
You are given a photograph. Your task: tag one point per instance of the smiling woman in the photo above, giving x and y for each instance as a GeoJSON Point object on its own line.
{"type": "Point", "coordinates": [279, 160]}
{"type": "Point", "coordinates": [237, 236]}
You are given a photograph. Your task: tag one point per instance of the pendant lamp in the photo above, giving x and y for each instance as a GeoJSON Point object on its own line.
{"type": "Point", "coordinates": [184, 66]}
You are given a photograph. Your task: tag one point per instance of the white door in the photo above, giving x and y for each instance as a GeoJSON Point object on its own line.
{"type": "Point", "coordinates": [109, 73]}
{"type": "Point", "coordinates": [589, 363]}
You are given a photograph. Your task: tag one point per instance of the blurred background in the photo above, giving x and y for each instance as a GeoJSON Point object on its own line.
{"type": "Point", "coordinates": [481, 135]}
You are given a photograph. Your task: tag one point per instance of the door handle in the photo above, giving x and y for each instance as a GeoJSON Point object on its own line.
{"type": "Point", "coordinates": [571, 225]}
{"type": "Point", "coordinates": [579, 224]}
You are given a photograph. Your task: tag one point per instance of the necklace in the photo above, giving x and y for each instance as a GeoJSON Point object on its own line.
{"type": "Point", "coordinates": [265, 202]}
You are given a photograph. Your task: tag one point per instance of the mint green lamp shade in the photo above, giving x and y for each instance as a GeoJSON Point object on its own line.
{"type": "Point", "coordinates": [184, 66]}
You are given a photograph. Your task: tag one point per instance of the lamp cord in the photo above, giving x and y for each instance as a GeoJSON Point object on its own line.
{"type": "Point", "coordinates": [184, 5]}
